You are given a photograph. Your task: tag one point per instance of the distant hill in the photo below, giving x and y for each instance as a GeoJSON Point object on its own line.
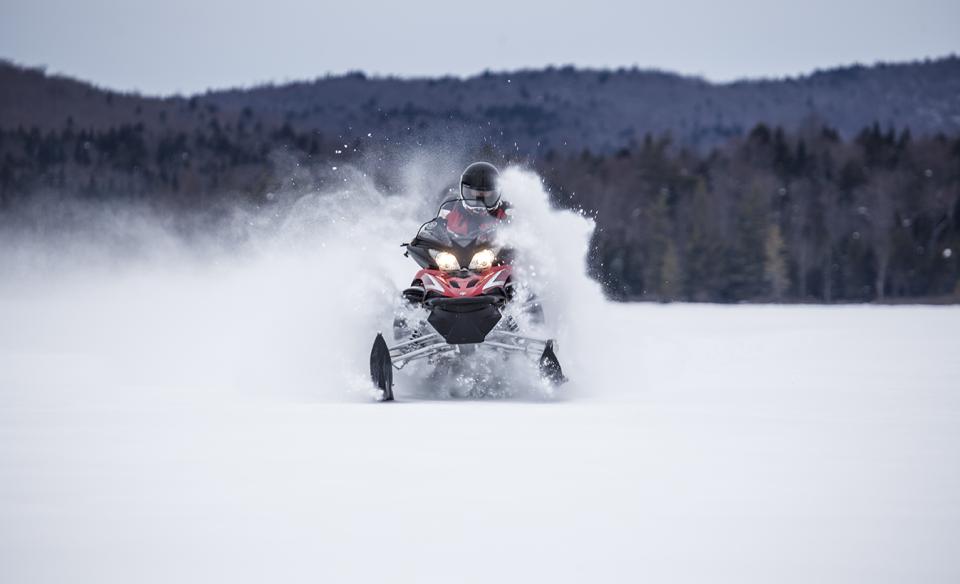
{"type": "Point", "coordinates": [529, 112]}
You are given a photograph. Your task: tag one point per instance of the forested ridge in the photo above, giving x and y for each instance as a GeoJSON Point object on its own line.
{"type": "Point", "coordinates": [787, 209]}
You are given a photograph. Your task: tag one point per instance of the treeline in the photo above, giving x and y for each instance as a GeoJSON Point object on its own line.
{"type": "Point", "coordinates": [775, 216]}
{"type": "Point", "coordinates": [172, 168]}
{"type": "Point", "coordinates": [799, 216]}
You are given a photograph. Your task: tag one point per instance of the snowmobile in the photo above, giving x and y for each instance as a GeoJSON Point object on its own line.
{"type": "Point", "coordinates": [464, 285]}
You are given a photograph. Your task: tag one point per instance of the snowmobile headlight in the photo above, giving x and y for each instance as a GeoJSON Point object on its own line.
{"type": "Point", "coordinates": [482, 260]}
{"type": "Point", "coordinates": [447, 262]}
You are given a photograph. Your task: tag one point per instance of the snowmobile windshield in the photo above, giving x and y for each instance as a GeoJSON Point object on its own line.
{"type": "Point", "coordinates": [435, 232]}
{"type": "Point", "coordinates": [470, 230]}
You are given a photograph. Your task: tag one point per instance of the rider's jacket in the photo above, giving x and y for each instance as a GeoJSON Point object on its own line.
{"type": "Point", "coordinates": [460, 220]}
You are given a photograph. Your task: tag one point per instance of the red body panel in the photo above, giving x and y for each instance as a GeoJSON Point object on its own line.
{"type": "Point", "coordinates": [450, 286]}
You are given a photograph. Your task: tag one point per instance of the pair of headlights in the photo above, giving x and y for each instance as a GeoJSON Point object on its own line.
{"type": "Point", "coordinates": [448, 262]}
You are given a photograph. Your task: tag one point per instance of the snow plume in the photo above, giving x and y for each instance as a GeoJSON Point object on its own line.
{"type": "Point", "coordinates": [280, 300]}
{"type": "Point", "coordinates": [552, 250]}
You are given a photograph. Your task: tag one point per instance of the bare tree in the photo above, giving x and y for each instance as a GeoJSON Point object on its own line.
{"type": "Point", "coordinates": [881, 215]}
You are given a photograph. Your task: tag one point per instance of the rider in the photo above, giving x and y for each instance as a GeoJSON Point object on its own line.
{"type": "Point", "coordinates": [478, 207]}
{"type": "Point", "coordinates": [480, 202]}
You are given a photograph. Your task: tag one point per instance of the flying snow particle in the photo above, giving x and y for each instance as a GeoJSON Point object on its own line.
{"type": "Point", "coordinates": [947, 253]}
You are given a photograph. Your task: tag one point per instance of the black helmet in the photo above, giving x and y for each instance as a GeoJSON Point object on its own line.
{"type": "Point", "coordinates": [478, 187]}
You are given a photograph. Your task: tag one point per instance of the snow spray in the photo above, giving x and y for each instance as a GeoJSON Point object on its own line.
{"type": "Point", "coordinates": [277, 300]}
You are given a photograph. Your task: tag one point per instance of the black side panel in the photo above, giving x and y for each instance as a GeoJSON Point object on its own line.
{"type": "Point", "coordinates": [463, 321]}
{"type": "Point", "coordinates": [421, 255]}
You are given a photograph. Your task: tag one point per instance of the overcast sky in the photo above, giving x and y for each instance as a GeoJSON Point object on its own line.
{"type": "Point", "coordinates": [168, 46]}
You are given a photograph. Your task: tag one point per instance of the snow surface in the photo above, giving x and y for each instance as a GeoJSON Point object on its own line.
{"type": "Point", "coordinates": [184, 415]}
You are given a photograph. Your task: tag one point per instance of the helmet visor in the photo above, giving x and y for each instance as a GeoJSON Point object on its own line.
{"type": "Point", "coordinates": [476, 199]}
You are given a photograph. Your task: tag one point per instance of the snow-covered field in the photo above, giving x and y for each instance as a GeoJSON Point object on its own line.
{"type": "Point", "coordinates": [753, 445]}
{"type": "Point", "coordinates": [210, 421]}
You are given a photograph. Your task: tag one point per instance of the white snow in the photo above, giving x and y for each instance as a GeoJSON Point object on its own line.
{"type": "Point", "coordinates": [197, 416]}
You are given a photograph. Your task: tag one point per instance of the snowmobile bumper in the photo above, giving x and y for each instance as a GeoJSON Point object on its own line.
{"type": "Point", "coordinates": [462, 321]}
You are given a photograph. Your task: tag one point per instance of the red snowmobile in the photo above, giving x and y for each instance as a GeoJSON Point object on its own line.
{"type": "Point", "coordinates": [464, 286]}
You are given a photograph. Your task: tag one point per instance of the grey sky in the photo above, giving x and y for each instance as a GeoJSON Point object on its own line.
{"type": "Point", "coordinates": [190, 45]}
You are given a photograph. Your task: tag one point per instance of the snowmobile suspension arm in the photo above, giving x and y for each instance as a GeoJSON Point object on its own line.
{"type": "Point", "coordinates": [521, 340]}
{"type": "Point", "coordinates": [428, 351]}
{"type": "Point", "coordinates": [412, 350]}
{"type": "Point", "coordinates": [509, 347]}
{"type": "Point", "coordinates": [414, 341]}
